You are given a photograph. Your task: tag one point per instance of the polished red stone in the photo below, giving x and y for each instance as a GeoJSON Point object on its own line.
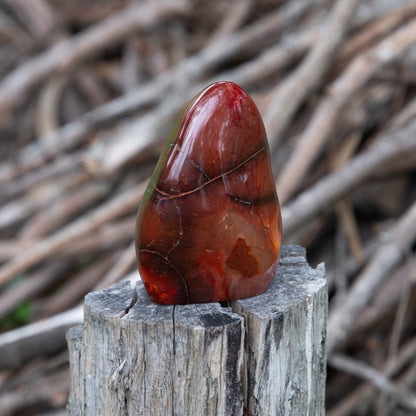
{"type": "Point", "coordinates": [209, 226]}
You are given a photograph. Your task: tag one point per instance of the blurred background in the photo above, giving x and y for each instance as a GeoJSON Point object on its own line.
{"type": "Point", "coordinates": [89, 91]}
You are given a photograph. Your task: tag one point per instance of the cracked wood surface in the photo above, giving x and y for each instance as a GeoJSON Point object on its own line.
{"type": "Point", "coordinates": [267, 353]}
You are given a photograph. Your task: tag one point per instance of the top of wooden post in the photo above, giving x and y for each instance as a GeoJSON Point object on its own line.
{"type": "Point", "coordinates": [294, 280]}
{"type": "Point", "coordinates": [267, 352]}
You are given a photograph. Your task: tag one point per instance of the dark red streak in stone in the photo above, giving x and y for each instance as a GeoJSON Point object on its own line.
{"type": "Point", "coordinates": [242, 260]}
{"type": "Point", "coordinates": [167, 196]}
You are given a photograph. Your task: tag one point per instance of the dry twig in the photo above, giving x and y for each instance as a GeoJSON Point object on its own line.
{"type": "Point", "coordinates": [289, 96]}
{"type": "Point", "coordinates": [364, 371]}
{"type": "Point", "coordinates": [363, 392]}
{"type": "Point", "coordinates": [66, 55]}
{"type": "Point", "coordinates": [39, 281]}
{"type": "Point", "coordinates": [70, 135]}
{"type": "Point", "coordinates": [339, 93]}
{"type": "Point", "coordinates": [386, 257]}
{"type": "Point", "coordinates": [319, 196]}
{"type": "Point", "coordinates": [119, 269]}
{"type": "Point", "coordinates": [123, 203]}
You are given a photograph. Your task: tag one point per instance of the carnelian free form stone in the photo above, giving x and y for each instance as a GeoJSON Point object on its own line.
{"type": "Point", "coordinates": [209, 225]}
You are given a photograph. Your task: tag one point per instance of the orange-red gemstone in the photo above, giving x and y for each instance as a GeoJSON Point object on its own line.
{"type": "Point", "coordinates": [209, 226]}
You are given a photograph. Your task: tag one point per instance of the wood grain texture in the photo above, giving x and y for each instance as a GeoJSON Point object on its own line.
{"type": "Point", "coordinates": [285, 356]}
{"type": "Point", "coordinates": [134, 357]}
{"type": "Point", "coordinates": [76, 401]}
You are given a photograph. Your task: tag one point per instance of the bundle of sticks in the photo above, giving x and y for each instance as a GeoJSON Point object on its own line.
{"type": "Point", "coordinates": [88, 94]}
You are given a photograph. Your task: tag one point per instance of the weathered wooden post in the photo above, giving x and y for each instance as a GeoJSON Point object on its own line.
{"type": "Point", "coordinates": [265, 353]}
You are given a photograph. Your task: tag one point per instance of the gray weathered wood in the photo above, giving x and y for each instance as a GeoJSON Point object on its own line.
{"type": "Point", "coordinates": [76, 400]}
{"type": "Point", "coordinates": [285, 357]}
{"type": "Point", "coordinates": [139, 358]}
{"type": "Point", "coordinates": [267, 353]}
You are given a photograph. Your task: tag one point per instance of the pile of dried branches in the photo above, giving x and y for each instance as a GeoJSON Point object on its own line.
{"type": "Point", "coordinates": [88, 93]}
